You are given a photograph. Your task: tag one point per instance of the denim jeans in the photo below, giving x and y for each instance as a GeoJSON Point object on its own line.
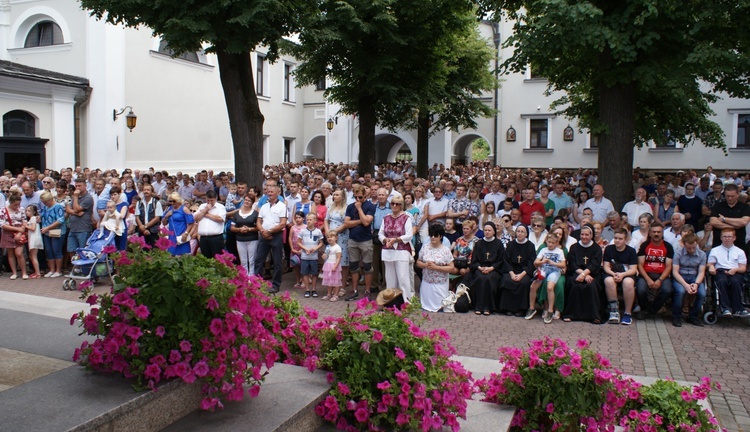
{"type": "Point", "coordinates": [700, 295]}
{"type": "Point", "coordinates": [664, 292]}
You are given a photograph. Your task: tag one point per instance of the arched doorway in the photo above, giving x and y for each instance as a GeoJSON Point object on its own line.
{"type": "Point", "coordinates": [470, 147]}
{"type": "Point", "coordinates": [390, 148]}
{"type": "Point", "coordinates": [316, 148]}
{"type": "Point", "coordinates": [19, 146]}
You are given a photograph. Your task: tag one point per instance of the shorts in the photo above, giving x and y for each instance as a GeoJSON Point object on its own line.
{"type": "Point", "coordinates": [553, 276]}
{"type": "Point", "coordinates": [308, 267]}
{"type": "Point", "coordinates": [360, 251]}
{"type": "Point", "coordinates": [77, 240]}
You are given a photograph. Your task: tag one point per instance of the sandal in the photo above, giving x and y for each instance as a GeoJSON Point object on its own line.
{"type": "Point", "coordinates": [342, 292]}
{"type": "Point", "coordinates": [334, 298]}
{"type": "Point", "coordinates": [477, 313]}
{"type": "Point", "coordinates": [566, 319]}
{"type": "Point", "coordinates": [325, 297]}
{"type": "Point", "coordinates": [487, 313]}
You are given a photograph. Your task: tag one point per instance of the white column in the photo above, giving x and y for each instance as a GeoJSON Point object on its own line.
{"type": "Point", "coordinates": [61, 147]}
{"type": "Point", "coordinates": [4, 29]}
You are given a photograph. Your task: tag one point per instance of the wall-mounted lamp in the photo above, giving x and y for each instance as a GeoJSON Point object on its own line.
{"type": "Point", "coordinates": [130, 118]}
{"type": "Point", "coordinates": [331, 121]}
{"type": "Point", "coordinates": [568, 134]}
{"type": "Point", "coordinates": [510, 134]}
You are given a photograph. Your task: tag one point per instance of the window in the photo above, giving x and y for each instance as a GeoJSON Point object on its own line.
{"type": "Point", "coordinates": [743, 131]}
{"type": "Point", "coordinates": [321, 84]}
{"type": "Point", "coordinates": [44, 33]}
{"type": "Point", "coordinates": [288, 150]}
{"type": "Point", "coordinates": [288, 82]}
{"type": "Point", "coordinates": [189, 56]}
{"type": "Point", "coordinates": [260, 75]}
{"type": "Point", "coordinates": [538, 133]}
{"type": "Point", "coordinates": [532, 73]}
{"type": "Point", "coordinates": [594, 141]}
{"type": "Point", "coordinates": [19, 123]}
{"type": "Point", "coordinates": [667, 141]}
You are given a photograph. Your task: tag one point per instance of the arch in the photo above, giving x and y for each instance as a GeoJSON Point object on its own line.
{"type": "Point", "coordinates": [316, 148]}
{"type": "Point", "coordinates": [19, 123]}
{"type": "Point", "coordinates": [461, 148]}
{"type": "Point", "coordinates": [33, 16]}
{"type": "Point", "coordinates": [388, 145]}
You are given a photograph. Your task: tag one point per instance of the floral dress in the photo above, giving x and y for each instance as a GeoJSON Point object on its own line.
{"type": "Point", "coordinates": [434, 287]}
{"type": "Point", "coordinates": [12, 218]}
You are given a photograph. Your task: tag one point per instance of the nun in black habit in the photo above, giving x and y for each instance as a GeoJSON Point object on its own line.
{"type": "Point", "coordinates": [487, 266]}
{"type": "Point", "coordinates": [514, 287]}
{"type": "Point", "coordinates": [583, 296]}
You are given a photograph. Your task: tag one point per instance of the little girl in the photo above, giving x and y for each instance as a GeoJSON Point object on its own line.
{"type": "Point", "coordinates": [34, 232]}
{"type": "Point", "coordinates": [332, 268]}
{"type": "Point", "coordinates": [299, 219]}
{"type": "Point", "coordinates": [550, 262]}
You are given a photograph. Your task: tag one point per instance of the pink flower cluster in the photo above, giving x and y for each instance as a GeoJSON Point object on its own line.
{"type": "Point", "coordinates": [246, 333]}
{"type": "Point", "coordinates": [411, 398]}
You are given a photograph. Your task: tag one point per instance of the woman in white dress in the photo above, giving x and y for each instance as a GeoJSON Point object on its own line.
{"type": "Point", "coordinates": [436, 261]}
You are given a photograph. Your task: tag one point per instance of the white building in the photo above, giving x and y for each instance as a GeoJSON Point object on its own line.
{"type": "Point", "coordinates": [63, 75]}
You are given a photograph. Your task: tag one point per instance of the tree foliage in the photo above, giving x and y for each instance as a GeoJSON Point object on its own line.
{"type": "Point", "coordinates": [388, 60]}
{"type": "Point", "coordinates": [231, 29]}
{"type": "Point", "coordinates": [633, 71]}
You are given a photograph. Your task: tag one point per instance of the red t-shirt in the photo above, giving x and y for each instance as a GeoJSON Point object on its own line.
{"type": "Point", "coordinates": [656, 256]}
{"type": "Point", "coordinates": [527, 209]}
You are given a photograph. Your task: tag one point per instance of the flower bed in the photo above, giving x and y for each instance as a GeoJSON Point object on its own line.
{"type": "Point", "coordinates": [190, 318]}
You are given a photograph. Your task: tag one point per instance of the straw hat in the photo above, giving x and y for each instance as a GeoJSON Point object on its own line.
{"type": "Point", "coordinates": [387, 295]}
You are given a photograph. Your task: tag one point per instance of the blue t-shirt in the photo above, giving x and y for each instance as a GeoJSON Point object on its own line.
{"type": "Point", "coordinates": [360, 232]}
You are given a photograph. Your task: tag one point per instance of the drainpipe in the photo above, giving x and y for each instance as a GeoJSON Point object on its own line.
{"type": "Point", "coordinates": [496, 41]}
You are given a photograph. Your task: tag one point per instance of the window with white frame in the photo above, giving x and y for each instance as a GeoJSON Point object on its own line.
{"type": "Point", "coordinates": [288, 82]}
{"type": "Point", "coordinates": [743, 131]}
{"type": "Point", "coordinates": [194, 56]}
{"type": "Point", "coordinates": [667, 141]}
{"type": "Point", "coordinates": [288, 143]}
{"type": "Point", "coordinates": [19, 124]}
{"type": "Point", "coordinates": [538, 133]}
{"type": "Point", "coordinates": [44, 33]}
{"type": "Point", "coordinates": [261, 76]}
{"type": "Point", "coordinates": [593, 141]}
{"type": "Point", "coordinates": [320, 85]}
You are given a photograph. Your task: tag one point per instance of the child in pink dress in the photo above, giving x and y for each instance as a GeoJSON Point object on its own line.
{"type": "Point", "coordinates": [332, 267]}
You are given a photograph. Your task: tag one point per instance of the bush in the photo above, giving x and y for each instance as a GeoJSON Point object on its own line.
{"type": "Point", "coordinates": [186, 317]}
{"type": "Point", "coordinates": [388, 374]}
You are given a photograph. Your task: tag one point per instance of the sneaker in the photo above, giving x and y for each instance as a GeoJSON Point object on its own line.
{"type": "Point", "coordinates": [627, 319]}
{"type": "Point", "coordinates": [49, 274]}
{"type": "Point", "coordinates": [315, 294]}
{"type": "Point", "coordinates": [614, 317]}
{"type": "Point", "coordinates": [726, 313]}
{"type": "Point", "coordinates": [547, 317]}
{"type": "Point", "coordinates": [55, 275]}
{"type": "Point", "coordinates": [742, 314]}
{"type": "Point", "coordinates": [272, 290]}
{"type": "Point", "coordinates": [694, 321]}
{"type": "Point", "coordinates": [353, 296]}
{"type": "Point", "coordinates": [531, 313]}
{"type": "Point", "coordinates": [307, 294]}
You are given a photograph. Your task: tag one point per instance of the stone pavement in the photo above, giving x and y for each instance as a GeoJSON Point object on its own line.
{"type": "Point", "coordinates": [652, 347]}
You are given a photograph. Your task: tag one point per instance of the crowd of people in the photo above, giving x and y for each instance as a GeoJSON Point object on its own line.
{"type": "Point", "coordinates": [523, 241]}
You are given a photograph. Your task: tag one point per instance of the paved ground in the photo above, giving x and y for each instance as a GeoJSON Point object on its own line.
{"type": "Point", "coordinates": [651, 348]}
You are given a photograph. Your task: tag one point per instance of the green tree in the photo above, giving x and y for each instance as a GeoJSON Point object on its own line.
{"type": "Point", "coordinates": [232, 28]}
{"type": "Point", "coordinates": [480, 150]}
{"type": "Point", "coordinates": [633, 70]}
{"type": "Point", "coordinates": [394, 62]}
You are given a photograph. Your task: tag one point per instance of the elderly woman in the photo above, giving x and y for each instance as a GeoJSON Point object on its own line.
{"type": "Point", "coordinates": [486, 266]}
{"type": "Point", "coordinates": [53, 233]}
{"type": "Point", "coordinates": [583, 300]}
{"type": "Point", "coordinates": [463, 248]}
{"type": "Point", "coordinates": [514, 287]}
{"type": "Point", "coordinates": [436, 262]}
{"type": "Point", "coordinates": [598, 239]}
{"type": "Point", "coordinates": [12, 219]}
{"type": "Point", "coordinates": [179, 219]}
{"type": "Point", "coordinates": [244, 225]}
{"type": "Point", "coordinates": [538, 232]}
{"type": "Point", "coordinates": [395, 234]}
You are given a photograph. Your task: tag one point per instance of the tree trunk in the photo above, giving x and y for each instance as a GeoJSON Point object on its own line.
{"type": "Point", "coordinates": [245, 118]}
{"type": "Point", "coordinates": [617, 112]}
{"type": "Point", "coordinates": [367, 122]}
{"type": "Point", "coordinates": [423, 144]}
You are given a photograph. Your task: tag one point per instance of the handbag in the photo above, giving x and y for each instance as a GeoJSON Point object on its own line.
{"type": "Point", "coordinates": [453, 298]}
{"type": "Point", "coordinates": [461, 262]}
{"type": "Point", "coordinates": [55, 233]}
{"type": "Point", "coordinates": [20, 238]}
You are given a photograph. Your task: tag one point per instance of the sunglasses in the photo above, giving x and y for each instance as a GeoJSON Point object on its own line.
{"type": "Point", "coordinates": [358, 197]}
{"type": "Point", "coordinates": [46, 182]}
{"type": "Point", "coordinates": [536, 226]}
{"type": "Point", "coordinates": [395, 203]}
{"type": "Point", "coordinates": [171, 201]}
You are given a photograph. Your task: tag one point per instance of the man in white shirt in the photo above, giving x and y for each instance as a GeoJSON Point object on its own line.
{"type": "Point", "coordinates": [437, 208]}
{"type": "Point", "coordinates": [495, 195]}
{"type": "Point", "coordinates": [672, 233]}
{"type": "Point", "coordinates": [210, 218]}
{"type": "Point", "coordinates": [272, 219]}
{"type": "Point", "coordinates": [727, 264]}
{"type": "Point", "coordinates": [637, 207]}
{"type": "Point", "coordinates": [599, 205]}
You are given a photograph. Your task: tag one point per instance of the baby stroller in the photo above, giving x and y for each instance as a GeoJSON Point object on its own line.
{"type": "Point", "coordinates": [89, 263]}
{"type": "Point", "coordinates": [711, 307]}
